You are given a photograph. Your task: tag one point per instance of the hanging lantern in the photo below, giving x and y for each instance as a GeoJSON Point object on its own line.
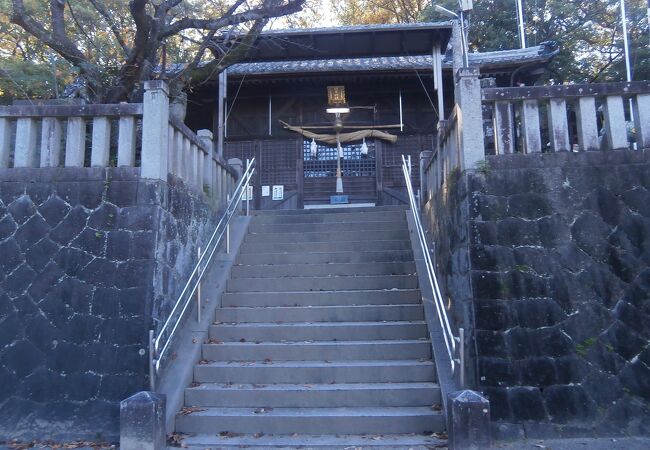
{"type": "Point", "coordinates": [314, 148]}
{"type": "Point", "coordinates": [364, 148]}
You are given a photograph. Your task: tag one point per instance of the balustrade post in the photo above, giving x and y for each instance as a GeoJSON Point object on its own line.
{"type": "Point", "coordinates": [425, 156]}
{"type": "Point", "coordinates": [641, 104]}
{"type": "Point", "coordinates": [615, 126]}
{"type": "Point", "coordinates": [155, 129]}
{"type": "Point", "coordinates": [75, 142]}
{"type": "Point", "coordinates": [25, 155]}
{"type": "Point", "coordinates": [470, 117]}
{"type": "Point", "coordinates": [530, 125]}
{"type": "Point", "coordinates": [205, 136]}
{"type": "Point", "coordinates": [126, 142]}
{"type": "Point", "coordinates": [5, 142]}
{"type": "Point", "coordinates": [558, 125]}
{"type": "Point", "coordinates": [50, 142]}
{"type": "Point", "coordinates": [503, 128]}
{"type": "Point", "coordinates": [172, 163]}
{"type": "Point", "coordinates": [587, 124]}
{"type": "Point", "coordinates": [101, 142]}
{"type": "Point", "coordinates": [178, 149]}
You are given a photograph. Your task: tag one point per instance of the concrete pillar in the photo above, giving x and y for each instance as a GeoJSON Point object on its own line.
{"type": "Point", "coordinates": [142, 422]}
{"type": "Point", "coordinates": [530, 125]}
{"type": "Point", "coordinates": [155, 129]}
{"type": "Point", "coordinates": [51, 142]}
{"type": "Point", "coordinates": [75, 142]}
{"type": "Point", "coordinates": [25, 155]}
{"type": "Point", "coordinates": [424, 158]}
{"type": "Point", "coordinates": [470, 117]}
{"type": "Point", "coordinates": [642, 120]}
{"type": "Point", "coordinates": [126, 142]}
{"type": "Point", "coordinates": [615, 125]}
{"type": "Point", "coordinates": [101, 142]}
{"type": "Point", "coordinates": [179, 163]}
{"type": "Point", "coordinates": [504, 130]}
{"type": "Point", "coordinates": [205, 136]}
{"type": "Point", "coordinates": [5, 142]}
{"type": "Point", "coordinates": [587, 124]}
{"type": "Point", "coordinates": [468, 421]}
{"type": "Point", "coordinates": [558, 125]}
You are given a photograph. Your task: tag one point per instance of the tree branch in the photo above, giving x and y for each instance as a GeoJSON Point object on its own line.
{"type": "Point", "coordinates": [101, 9]}
{"type": "Point", "coordinates": [251, 15]}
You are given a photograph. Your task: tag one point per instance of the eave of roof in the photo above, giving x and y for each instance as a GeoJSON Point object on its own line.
{"type": "Point", "coordinates": [536, 54]}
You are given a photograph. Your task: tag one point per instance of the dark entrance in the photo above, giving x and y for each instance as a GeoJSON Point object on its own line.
{"type": "Point", "coordinates": [359, 173]}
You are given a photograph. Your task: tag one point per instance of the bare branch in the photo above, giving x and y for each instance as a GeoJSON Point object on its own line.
{"type": "Point", "coordinates": [101, 9]}
{"type": "Point", "coordinates": [263, 12]}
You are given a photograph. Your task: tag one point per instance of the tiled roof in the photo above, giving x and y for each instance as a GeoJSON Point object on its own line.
{"type": "Point", "coordinates": [539, 53]}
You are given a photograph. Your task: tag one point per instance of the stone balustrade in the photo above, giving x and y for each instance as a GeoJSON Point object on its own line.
{"type": "Point", "coordinates": [579, 117]}
{"type": "Point", "coordinates": [58, 135]}
{"type": "Point", "coordinates": [142, 135]}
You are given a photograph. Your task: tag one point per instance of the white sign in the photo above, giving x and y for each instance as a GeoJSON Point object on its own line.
{"type": "Point", "coordinates": [248, 194]}
{"type": "Point", "coordinates": [266, 191]}
{"type": "Point", "coordinates": [278, 192]}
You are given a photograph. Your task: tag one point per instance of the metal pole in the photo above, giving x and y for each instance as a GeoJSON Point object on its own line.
{"type": "Point", "coordinates": [463, 40]}
{"type": "Point", "coordinates": [198, 293]}
{"type": "Point", "coordinates": [626, 48]}
{"type": "Point", "coordinates": [520, 20]}
{"type": "Point", "coordinates": [152, 371]}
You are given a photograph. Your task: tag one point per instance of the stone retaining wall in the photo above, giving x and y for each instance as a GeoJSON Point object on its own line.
{"type": "Point", "coordinates": [90, 260]}
{"type": "Point", "coordinates": [546, 259]}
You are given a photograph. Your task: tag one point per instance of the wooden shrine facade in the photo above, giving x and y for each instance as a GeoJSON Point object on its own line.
{"type": "Point", "coordinates": [396, 78]}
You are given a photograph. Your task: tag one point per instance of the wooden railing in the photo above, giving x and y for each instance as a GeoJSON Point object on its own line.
{"type": "Point", "coordinates": [142, 135]}
{"type": "Point", "coordinates": [579, 117]}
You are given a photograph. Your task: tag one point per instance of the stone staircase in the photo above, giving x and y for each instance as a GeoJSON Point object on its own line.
{"type": "Point", "coordinates": [320, 341]}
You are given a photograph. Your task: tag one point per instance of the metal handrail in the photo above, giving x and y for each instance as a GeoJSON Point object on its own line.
{"type": "Point", "coordinates": [451, 341]}
{"type": "Point", "coordinates": [160, 344]}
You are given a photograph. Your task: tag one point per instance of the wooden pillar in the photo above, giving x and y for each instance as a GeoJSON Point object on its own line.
{"type": "Point", "coordinates": [379, 174]}
{"type": "Point", "coordinates": [221, 111]}
{"type": "Point", "coordinates": [300, 173]}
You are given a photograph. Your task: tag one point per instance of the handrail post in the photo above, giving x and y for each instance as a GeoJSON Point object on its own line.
{"type": "Point", "coordinates": [198, 292]}
{"type": "Point", "coordinates": [248, 197]}
{"type": "Point", "coordinates": [228, 229]}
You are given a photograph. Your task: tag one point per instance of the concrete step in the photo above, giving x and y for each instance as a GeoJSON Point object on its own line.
{"type": "Point", "coordinates": [312, 284]}
{"type": "Point", "coordinates": [317, 211]}
{"type": "Point", "coordinates": [334, 350]}
{"type": "Point", "coordinates": [367, 216]}
{"type": "Point", "coordinates": [256, 227]}
{"type": "Point", "coordinates": [320, 298]}
{"type": "Point", "coordinates": [326, 257]}
{"type": "Point", "coordinates": [321, 331]}
{"type": "Point", "coordinates": [279, 314]}
{"type": "Point", "coordinates": [330, 246]}
{"type": "Point", "coordinates": [394, 420]}
{"type": "Point", "coordinates": [329, 236]}
{"type": "Point", "coordinates": [312, 395]}
{"type": "Point", "coordinates": [317, 442]}
{"type": "Point", "coordinates": [322, 270]}
{"type": "Point", "coordinates": [316, 371]}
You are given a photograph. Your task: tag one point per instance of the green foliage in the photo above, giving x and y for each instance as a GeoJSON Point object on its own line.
{"type": "Point", "coordinates": [588, 33]}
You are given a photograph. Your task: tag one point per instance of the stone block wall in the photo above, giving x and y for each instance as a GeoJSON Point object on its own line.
{"type": "Point", "coordinates": [546, 259]}
{"type": "Point", "coordinates": [90, 260]}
